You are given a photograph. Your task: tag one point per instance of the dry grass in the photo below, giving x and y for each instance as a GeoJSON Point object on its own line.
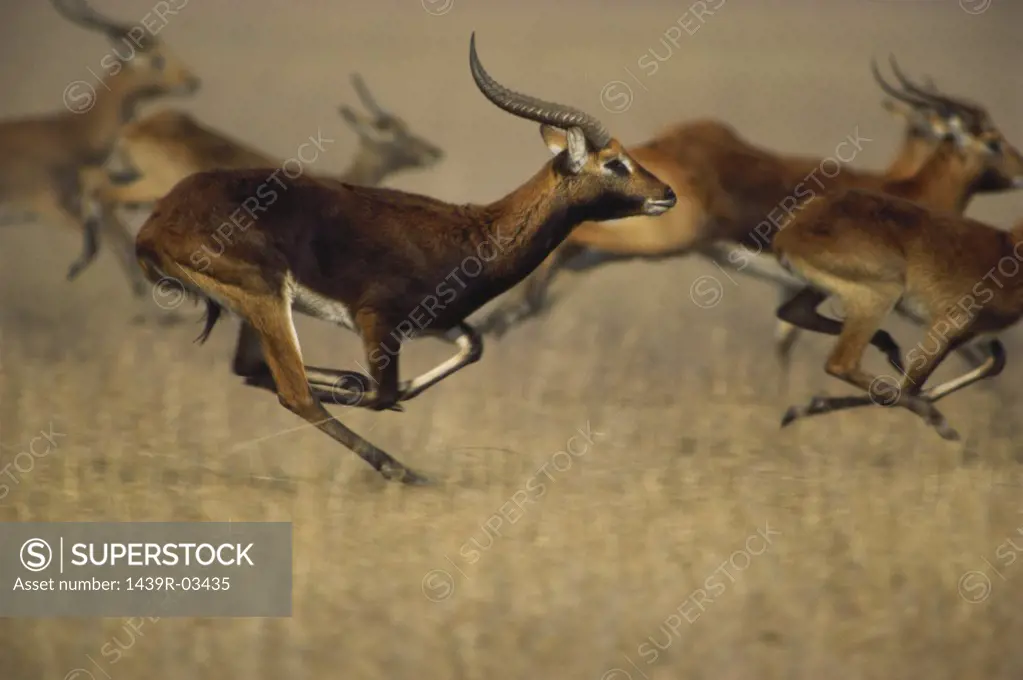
{"type": "Point", "coordinates": [601, 568]}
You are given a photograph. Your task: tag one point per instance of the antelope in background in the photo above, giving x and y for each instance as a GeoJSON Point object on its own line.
{"type": "Point", "coordinates": [370, 259]}
{"type": "Point", "coordinates": [162, 149]}
{"type": "Point", "coordinates": [728, 186]}
{"type": "Point", "coordinates": [42, 157]}
{"type": "Point", "coordinates": [875, 252]}
{"type": "Point", "coordinates": [980, 151]}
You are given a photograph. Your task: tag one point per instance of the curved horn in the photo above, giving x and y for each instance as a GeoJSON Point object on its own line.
{"type": "Point", "coordinates": [81, 13]}
{"type": "Point", "coordinates": [367, 99]}
{"type": "Point", "coordinates": [893, 92]}
{"type": "Point", "coordinates": [933, 95]}
{"type": "Point", "coordinates": [534, 109]}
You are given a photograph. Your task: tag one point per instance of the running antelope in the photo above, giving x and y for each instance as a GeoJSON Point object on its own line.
{"type": "Point", "coordinates": [730, 190]}
{"type": "Point", "coordinates": [378, 261]}
{"type": "Point", "coordinates": [164, 148]}
{"type": "Point", "coordinates": [875, 252]}
{"type": "Point", "coordinates": [42, 158]}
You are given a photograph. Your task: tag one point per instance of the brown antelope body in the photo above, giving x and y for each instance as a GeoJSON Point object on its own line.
{"type": "Point", "coordinates": [875, 252]}
{"type": "Point", "coordinates": [42, 158]}
{"type": "Point", "coordinates": [733, 193]}
{"type": "Point", "coordinates": [162, 149]}
{"type": "Point", "coordinates": [387, 264]}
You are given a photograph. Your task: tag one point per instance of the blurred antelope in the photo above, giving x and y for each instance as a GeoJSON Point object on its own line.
{"type": "Point", "coordinates": [876, 252]}
{"type": "Point", "coordinates": [41, 157]}
{"type": "Point", "coordinates": [164, 148]}
{"type": "Point", "coordinates": [378, 261]}
{"type": "Point", "coordinates": [727, 187]}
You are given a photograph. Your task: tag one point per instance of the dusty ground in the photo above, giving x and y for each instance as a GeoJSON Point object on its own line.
{"type": "Point", "coordinates": [641, 559]}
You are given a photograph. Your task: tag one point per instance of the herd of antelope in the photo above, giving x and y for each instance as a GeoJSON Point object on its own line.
{"type": "Point", "coordinates": [375, 260]}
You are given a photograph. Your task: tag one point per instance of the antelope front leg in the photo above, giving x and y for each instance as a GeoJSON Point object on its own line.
{"type": "Point", "coordinates": [347, 388]}
{"type": "Point", "coordinates": [990, 367]}
{"type": "Point", "coordinates": [844, 364]}
{"type": "Point", "coordinates": [470, 346]}
{"type": "Point", "coordinates": [470, 349]}
{"type": "Point", "coordinates": [382, 391]}
{"type": "Point", "coordinates": [334, 386]}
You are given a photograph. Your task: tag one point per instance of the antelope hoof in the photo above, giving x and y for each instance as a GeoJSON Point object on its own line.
{"type": "Point", "coordinates": [935, 419]}
{"type": "Point", "coordinates": [929, 413]}
{"type": "Point", "coordinates": [790, 415]}
{"type": "Point", "coordinates": [396, 472]}
{"type": "Point", "coordinates": [816, 405]}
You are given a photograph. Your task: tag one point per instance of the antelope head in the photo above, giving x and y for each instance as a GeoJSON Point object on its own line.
{"type": "Point", "coordinates": [966, 123]}
{"type": "Point", "coordinates": [142, 62]}
{"type": "Point", "coordinates": [591, 167]}
{"type": "Point", "coordinates": [386, 136]}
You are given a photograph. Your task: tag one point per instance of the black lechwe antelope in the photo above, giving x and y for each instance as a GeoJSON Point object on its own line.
{"type": "Point", "coordinates": [376, 260]}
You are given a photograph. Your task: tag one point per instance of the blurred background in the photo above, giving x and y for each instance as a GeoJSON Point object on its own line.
{"type": "Point", "coordinates": [884, 551]}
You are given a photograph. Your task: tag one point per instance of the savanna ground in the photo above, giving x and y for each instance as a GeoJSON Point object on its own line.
{"type": "Point", "coordinates": [689, 537]}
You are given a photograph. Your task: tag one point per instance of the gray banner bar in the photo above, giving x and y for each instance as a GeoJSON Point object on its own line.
{"type": "Point", "coordinates": [163, 569]}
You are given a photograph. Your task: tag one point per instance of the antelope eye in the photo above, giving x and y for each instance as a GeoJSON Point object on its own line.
{"type": "Point", "coordinates": [617, 167]}
{"type": "Point", "coordinates": [995, 145]}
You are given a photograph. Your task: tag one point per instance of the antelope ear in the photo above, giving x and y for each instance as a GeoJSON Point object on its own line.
{"type": "Point", "coordinates": [957, 132]}
{"type": "Point", "coordinates": [555, 139]}
{"type": "Point", "coordinates": [577, 151]}
{"type": "Point", "coordinates": [572, 140]}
